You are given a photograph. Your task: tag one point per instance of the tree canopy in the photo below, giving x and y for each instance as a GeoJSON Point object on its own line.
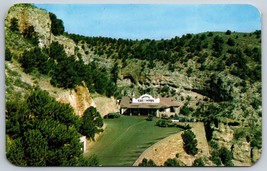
{"type": "Point", "coordinates": [190, 142]}
{"type": "Point", "coordinates": [44, 132]}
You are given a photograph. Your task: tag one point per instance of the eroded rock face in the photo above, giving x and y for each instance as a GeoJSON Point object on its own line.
{"type": "Point", "coordinates": [243, 155]}
{"type": "Point", "coordinates": [223, 135]}
{"type": "Point", "coordinates": [241, 151]}
{"type": "Point", "coordinates": [40, 20]}
{"type": "Point", "coordinates": [79, 98]}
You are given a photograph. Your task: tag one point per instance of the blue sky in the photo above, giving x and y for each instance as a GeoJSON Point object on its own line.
{"type": "Point", "coordinates": [154, 21]}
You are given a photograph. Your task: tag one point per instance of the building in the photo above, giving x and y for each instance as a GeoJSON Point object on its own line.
{"type": "Point", "coordinates": [146, 104]}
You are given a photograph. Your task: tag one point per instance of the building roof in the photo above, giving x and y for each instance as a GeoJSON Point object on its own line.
{"type": "Point", "coordinates": [165, 102]}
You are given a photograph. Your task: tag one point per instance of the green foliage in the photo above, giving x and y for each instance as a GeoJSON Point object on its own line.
{"type": "Point", "coordinates": [257, 139]}
{"type": "Point", "coordinates": [228, 32]}
{"type": "Point", "coordinates": [15, 154]}
{"type": "Point", "coordinates": [258, 34]}
{"type": "Point", "coordinates": [67, 73]}
{"type": "Point", "coordinates": [198, 162]}
{"type": "Point", "coordinates": [35, 148]}
{"type": "Point", "coordinates": [91, 123]}
{"type": "Point", "coordinates": [8, 54]}
{"type": "Point", "coordinates": [190, 142]}
{"type": "Point", "coordinates": [57, 27]}
{"type": "Point", "coordinates": [57, 52]}
{"type": "Point", "coordinates": [30, 34]}
{"type": "Point", "coordinates": [226, 156]}
{"type": "Point", "coordinates": [219, 89]}
{"type": "Point", "coordinates": [44, 133]}
{"type": "Point", "coordinates": [171, 162]}
{"type": "Point", "coordinates": [115, 72]}
{"type": "Point", "coordinates": [215, 158]}
{"type": "Point", "coordinates": [34, 59]}
{"type": "Point", "coordinates": [162, 123]}
{"type": "Point", "coordinates": [186, 110]}
{"type": "Point", "coordinates": [14, 25]}
{"type": "Point", "coordinates": [149, 117]}
{"type": "Point", "coordinates": [230, 42]}
{"type": "Point", "coordinates": [147, 163]}
{"type": "Point", "coordinates": [189, 71]}
{"type": "Point", "coordinates": [218, 44]}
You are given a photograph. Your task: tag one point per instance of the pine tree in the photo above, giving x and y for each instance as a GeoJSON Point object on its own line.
{"type": "Point", "coordinates": [190, 142]}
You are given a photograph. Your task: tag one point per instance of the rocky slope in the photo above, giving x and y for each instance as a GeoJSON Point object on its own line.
{"type": "Point", "coordinates": [79, 97]}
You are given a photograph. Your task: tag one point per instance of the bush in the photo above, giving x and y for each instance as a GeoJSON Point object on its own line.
{"type": "Point", "coordinates": [8, 54]}
{"type": "Point", "coordinates": [190, 142]}
{"type": "Point", "coordinates": [171, 162]}
{"type": "Point", "coordinates": [231, 42]}
{"type": "Point", "coordinates": [146, 162]}
{"type": "Point", "coordinates": [14, 25]}
{"type": "Point", "coordinates": [149, 117]}
{"type": "Point", "coordinates": [57, 27]}
{"type": "Point", "coordinates": [198, 162]}
{"type": "Point", "coordinates": [30, 34]}
{"type": "Point", "coordinates": [226, 156]}
{"type": "Point", "coordinates": [185, 110]}
{"type": "Point", "coordinates": [228, 32]}
{"type": "Point", "coordinates": [91, 123]}
{"type": "Point", "coordinates": [215, 159]}
{"type": "Point", "coordinates": [161, 123]}
{"type": "Point", "coordinates": [112, 116]}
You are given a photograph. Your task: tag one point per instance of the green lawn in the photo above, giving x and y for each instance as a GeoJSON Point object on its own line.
{"type": "Point", "coordinates": [125, 138]}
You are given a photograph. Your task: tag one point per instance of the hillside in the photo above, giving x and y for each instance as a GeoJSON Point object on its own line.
{"type": "Point", "coordinates": [216, 76]}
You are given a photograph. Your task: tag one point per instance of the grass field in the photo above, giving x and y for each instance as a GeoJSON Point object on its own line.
{"type": "Point", "coordinates": [125, 138]}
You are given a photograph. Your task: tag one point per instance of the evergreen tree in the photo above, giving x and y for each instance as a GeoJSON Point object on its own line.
{"type": "Point", "coordinates": [91, 123]}
{"type": "Point", "coordinates": [226, 156]}
{"type": "Point", "coordinates": [147, 163]}
{"type": "Point", "coordinates": [198, 162]}
{"type": "Point", "coordinates": [190, 142]}
{"type": "Point", "coordinates": [217, 45]}
{"type": "Point", "coordinates": [171, 162]}
{"type": "Point", "coordinates": [44, 133]}
{"type": "Point", "coordinates": [30, 34]}
{"type": "Point", "coordinates": [8, 54]}
{"type": "Point", "coordinates": [57, 27]}
{"type": "Point", "coordinates": [14, 25]}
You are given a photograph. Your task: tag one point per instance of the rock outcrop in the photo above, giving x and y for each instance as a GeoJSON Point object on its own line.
{"type": "Point", "coordinates": [28, 15]}
{"type": "Point", "coordinates": [79, 98]}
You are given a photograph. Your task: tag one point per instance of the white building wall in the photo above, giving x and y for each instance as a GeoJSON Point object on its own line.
{"type": "Point", "coordinates": [83, 140]}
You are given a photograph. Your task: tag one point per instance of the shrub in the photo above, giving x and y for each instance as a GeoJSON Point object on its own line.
{"type": "Point", "coordinates": [228, 32]}
{"type": "Point", "coordinates": [57, 27]}
{"type": "Point", "coordinates": [149, 117]}
{"type": "Point", "coordinates": [30, 34]}
{"type": "Point", "coordinates": [8, 54]}
{"type": "Point", "coordinates": [190, 142]}
{"type": "Point", "coordinates": [215, 158]}
{"type": "Point", "coordinates": [226, 156]}
{"type": "Point", "coordinates": [146, 162]}
{"type": "Point", "coordinates": [198, 162]}
{"type": "Point", "coordinates": [112, 115]}
{"type": "Point", "coordinates": [171, 162]}
{"type": "Point", "coordinates": [14, 25]}
{"type": "Point", "coordinates": [230, 42]}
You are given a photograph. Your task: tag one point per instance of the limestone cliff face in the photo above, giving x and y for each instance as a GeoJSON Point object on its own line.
{"type": "Point", "coordinates": [28, 15]}
{"type": "Point", "coordinates": [79, 98]}
{"type": "Point", "coordinates": [243, 153]}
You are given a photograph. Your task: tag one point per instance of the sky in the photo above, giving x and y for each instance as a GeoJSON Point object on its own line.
{"type": "Point", "coordinates": [154, 21]}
